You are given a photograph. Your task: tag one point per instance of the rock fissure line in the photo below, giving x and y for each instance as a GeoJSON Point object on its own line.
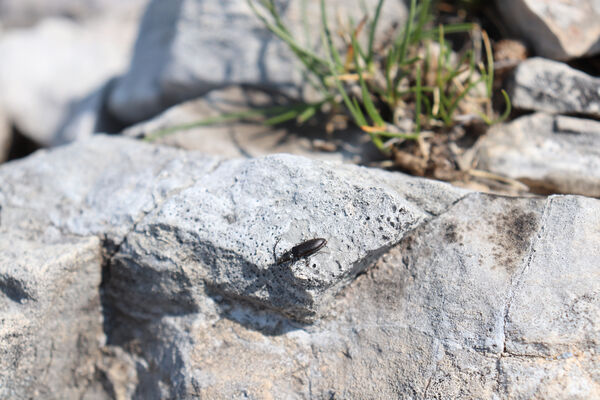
{"type": "Point", "coordinates": [450, 206]}
{"type": "Point", "coordinates": [517, 277]}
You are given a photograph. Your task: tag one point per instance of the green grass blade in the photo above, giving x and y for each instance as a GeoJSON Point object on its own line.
{"type": "Point", "coordinates": [378, 143]}
{"type": "Point", "coordinates": [368, 103]}
{"type": "Point", "coordinates": [412, 136]}
{"type": "Point", "coordinates": [424, 16]}
{"type": "Point", "coordinates": [427, 104]}
{"type": "Point", "coordinates": [490, 63]}
{"type": "Point", "coordinates": [398, 52]}
{"type": "Point", "coordinates": [356, 47]}
{"type": "Point", "coordinates": [409, 62]}
{"type": "Point", "coordinates": [219, 119]}
{"type": "Point", "coordinates": [372, 33]}
{"type": "Point", "coordinates": [454, 104]}
{"type": "Point", "coordinates": [407, 33]}
{"type": "Point", "coordinates": [307, 114]}
{"type": "Point", "coordinates": [284, 117]}
{"type": "Point", "coordinates": [454, 72]}
{"type": "Point", "coordinates": [357, 114]}
{"type": "Point", "coordinates": [332, 49]}
{"type": "Point", "coordinates": [504, 115]}
{"type": "Point", "coordinates": [309, 58]}
{"type": "Point", "coordinates": [418, 101]}
{"type": "Point", "coordinates": [508, 109]}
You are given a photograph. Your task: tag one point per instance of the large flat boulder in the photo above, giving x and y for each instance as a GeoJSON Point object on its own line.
{"type": "Point", "coordinates": [423, 290]}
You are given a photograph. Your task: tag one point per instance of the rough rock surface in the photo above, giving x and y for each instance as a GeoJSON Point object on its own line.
{"type": "Point", "coordinates": [457, 309]}
{"type": "Point", "coordinates": [555, 29]}
{"type": "Point", "coordinates": [50, 319]}
{"type": "Point", "coordinates": [78, 58]}
{"type": "Point", "coordinates": [550, 86]}
{"type": "Point", "coordinates": [229, 45]}
{"type": "Point", "coordinates": [471, 295]}
{"type": "Point", "coordinates": [96, 187]}
{"type": "Point", "coordinates": [550, 154]}
{"type": "Point", "coordinates": [212, 220]}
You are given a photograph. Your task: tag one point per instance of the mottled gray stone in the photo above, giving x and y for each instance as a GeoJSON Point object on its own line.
{"type": "Point", "coordinates": [555, 307]}
{"type": "Point", "coordinates": [223, 232]}
{"type": "Point", "coordinates": [551, 154]}
{"type": "Point", "coordinates": [439, 316]}
{"type": "Point", "coordinates": [552, 320]}
{"type": "Point", "coordinates": [50, 317]}
{"type": "Point", "coordinates": [554, 87]}
{"type": "Point", "coordinates": [98, 187]}
{"type": "Point", "coordinates": [188, 47]}
{"type": "Point", "coordinates": [86, 117]}
{"type": "Point", "coordinates": [463, 294]}
{"type": "Point", "coordinates": [555, 29]}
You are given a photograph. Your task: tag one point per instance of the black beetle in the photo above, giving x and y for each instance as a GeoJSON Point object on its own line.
{"type": "Point", "coordinates": [304, 249]}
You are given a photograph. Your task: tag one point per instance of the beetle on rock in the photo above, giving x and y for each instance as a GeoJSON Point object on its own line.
{"type": "Point", "coordinates": [304, 249]}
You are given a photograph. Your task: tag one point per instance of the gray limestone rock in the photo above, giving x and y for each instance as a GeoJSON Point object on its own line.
{"type": "Point", "coordinates": [228, 229]}
{"type": "Point", "coordinates": [86, 116]}
{"type": "Point", "coordinates": [122, 181]}
{"type": "Point", "coordinates": [50, 317]}
{"type": "Point", "coordinates": [458, 294]}
{"type": "Point", "coordinates": [554, 87]}
{"type": "Point", "coordinates": [551, 154]}
{"type": "Point", "coordinates": [188, 47]}
{"type": "Point", "coordinates": [555, 29]}
{"type": "Point", "coordinates": [446, 313]}
{"type": "Point", "coordinates": [40, 97]}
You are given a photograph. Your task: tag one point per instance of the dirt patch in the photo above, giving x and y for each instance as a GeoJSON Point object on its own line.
{"type": "Point", "coordinates": [512, 238]}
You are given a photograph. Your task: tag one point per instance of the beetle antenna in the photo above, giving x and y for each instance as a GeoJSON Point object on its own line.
{"type": "Point", "coordinates": [274, 248]}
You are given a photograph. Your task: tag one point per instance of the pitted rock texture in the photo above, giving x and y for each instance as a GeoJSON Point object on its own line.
{"type": "Point", "coordinates": [458, 294]}
{"type": "Point", "coordinates": [471, 304]}
{"type": "Point", "coordinates": [228, 229]}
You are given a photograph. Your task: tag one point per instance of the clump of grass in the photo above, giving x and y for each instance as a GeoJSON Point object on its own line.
{"type": "Point", "coordinates": [416, 73]}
